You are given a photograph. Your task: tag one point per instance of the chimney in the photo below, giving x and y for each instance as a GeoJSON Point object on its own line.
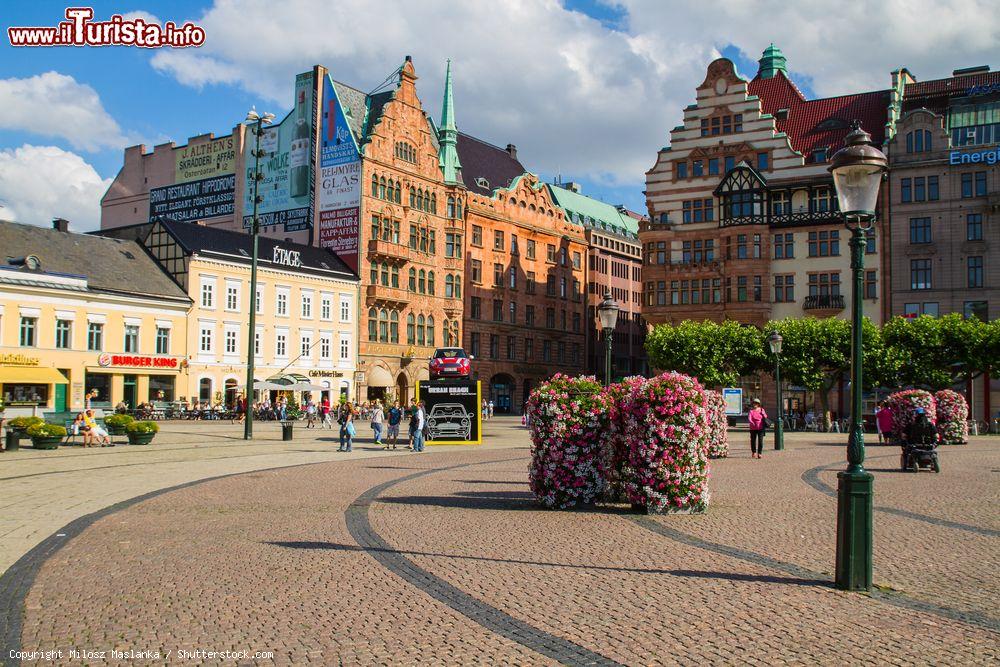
{"type": "Point", "coordinates": [512, 150]}
{"type": "Point", "coordinates": [60, 224]}
{"type": "Point", "coordinates": [573, 186]}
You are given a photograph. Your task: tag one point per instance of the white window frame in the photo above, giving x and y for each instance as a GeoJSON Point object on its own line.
{"type": "Point", "coordinates": [260, 300]}
{"type": "Point", "coordinates": [281, 343]}
{"type": "Point", "coordinates": [325, 347]}
{"type": "Point", "coordinates": [233, 295]}
{"type": "Point", "coordinates": [204, 329]}
{"type": "Point", "coordinates": [281, 299]}
{"type": "Point", "coordinates": [207, 288]}
{"type": "Point", "coordinates": [325, 306]}
{"type": "Point", "coordinates": [306, 307]}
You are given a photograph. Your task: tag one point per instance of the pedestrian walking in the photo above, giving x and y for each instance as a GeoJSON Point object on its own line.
{"type": "Point", "coordinates": [885, 423]}
{"type": "Point", "coordinates": [378, 417]}
{"type": "Point", "coordinates": [757, 420]}
{"type": "Point", "coordinates": [395, 416]}
{"type": "Point", "coordinates": [418, 433]}
{"type": "Point", "coordinates": [490, 406]}
{"type": "Point", "coordinates": [310, 414]}
{"type": "Point", "coordinates": [347, 429]}
{"type": "Point", "coordinates": [413, 422]}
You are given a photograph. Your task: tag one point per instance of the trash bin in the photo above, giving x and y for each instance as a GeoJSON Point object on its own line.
{"type": "Point", "coordinates": [11, 441]}
{"type": "Point", "coordinates": [286, 430]}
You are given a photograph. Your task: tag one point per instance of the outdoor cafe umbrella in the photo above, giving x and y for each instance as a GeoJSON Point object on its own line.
{"type": "Point", "coordinates": [304, 386]}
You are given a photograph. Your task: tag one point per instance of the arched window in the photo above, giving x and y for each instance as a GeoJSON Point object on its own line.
{"type": "Point", "coordinates": [420, 199]}
{"type": "Point", "coordinates": [374, 185]}
{"type": "Point", "coordinates": [445, 333]}
{"type": "Point", "coordinates": [423, 239]}
{"type": "Point", "coordinates": [420, 330]}
{"type": "Point", "coordinates": [413, 198]}
{"type": "Point", "coordinates": [389, 188]}
{"type": "Point", "coordinates": [434, 203]}
{"type": "Point", "coordinates": [430, 330]}
{"type": "Point", "coordinates": [454, 334]}
{"type": "Point", "coordinates": [412, 279]}
{"type": "Point", "coordinates": [395, 276]}
{"type": "Point", "coordinates": [458, 208]}
{"type": "Point", "coordinates": [411, 336]}
{"type": "Point", "coordinates": [381, 188]}
{"type": "Point", "coordinates": [372, 325]}
{"type": "Point", "coordinates": [374, 275]}
{"type": "Point", "coordinates": [430, 283]}
{"type": "Point", "coordinates": [394, 326]}
{"type": "Point", "coordinates": [399, 193]}
{"type": "Point", "coordinates": [422, 282]}
{"type": "Point", "coordinates": [451, 207]}
{"type": "Point", "coordinates": [458, 288]}
{"type": "Point", "coordinates": [383, 326]}
{"type": "Point", "coordinates": [449, 288]}
{"type": "Point", "coordinates": [385, 274]}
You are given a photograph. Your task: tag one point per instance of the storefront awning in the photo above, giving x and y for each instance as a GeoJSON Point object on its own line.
{"type": "Point", "coordinates": [379, 377]}
{"type": "Point", "coordinates": [31, 375]}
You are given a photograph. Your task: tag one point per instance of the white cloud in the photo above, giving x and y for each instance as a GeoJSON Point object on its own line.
{"type": "Point", "coordinates": [56, 105]}
{"type": "Point", "coordinates": [38, 183]}
{"type": "Point", "coordinates": [573, 94]}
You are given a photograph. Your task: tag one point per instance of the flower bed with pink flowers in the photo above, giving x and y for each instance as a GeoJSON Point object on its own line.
{"type": "Point", "coordinates": [569, 441]}
{"type": "Point", "coordinates": [617, 398]}
{"type": "Point", "coordinates": [667, 434]}
{"type": "Point", "coordinates": [718, 425]}
{"type": "Point", "coordinates": [904, 406]}
{"type": "Point", "coordinates": [952, 417]}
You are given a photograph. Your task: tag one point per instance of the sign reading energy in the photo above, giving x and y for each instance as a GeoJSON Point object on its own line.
{"type": "Point", "coordinates": [339, 182]}
{"type": "Point", "coordinates": [286, 190]}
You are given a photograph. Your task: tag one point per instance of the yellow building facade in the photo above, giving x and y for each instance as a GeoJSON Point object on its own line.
{"type": "Point", "coordinates": [80, 314]}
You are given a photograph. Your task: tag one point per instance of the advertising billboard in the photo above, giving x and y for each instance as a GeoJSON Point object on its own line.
{"type": "Point", "coordinates": [195, 200]}
{"type": "Point", "coordinates": [339, 187]}
{"type": "Point", "coordinates": [286, 191]}
{"type": "Point", "coordinates": [734, 400]}
{"type": "Point", "coordinates": [204, 160]}
{"type": "Point", "coordinates": [453, 414]}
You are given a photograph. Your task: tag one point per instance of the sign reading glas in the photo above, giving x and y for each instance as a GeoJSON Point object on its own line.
{"type": "Point", "coordinates": [339, 182]}
{"type": "Point", "coordinates": [286, 189]}
{"type": "Point", "coordinates": [453, 414]}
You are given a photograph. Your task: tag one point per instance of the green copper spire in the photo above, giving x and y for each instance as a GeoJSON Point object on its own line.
{"type": "Point", "coordinates": [772, 62]}
{"type": "Point", "coordinates": [448, 135]}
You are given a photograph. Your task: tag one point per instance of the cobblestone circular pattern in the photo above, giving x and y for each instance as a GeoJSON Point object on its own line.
{"type": "Point", "coordinates": [446, 559]}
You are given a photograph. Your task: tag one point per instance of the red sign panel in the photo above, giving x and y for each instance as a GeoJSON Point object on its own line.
{"type": "Point", "coordinates": [134, 361]}
{"type": "Point", "coordinates": [339, 231]}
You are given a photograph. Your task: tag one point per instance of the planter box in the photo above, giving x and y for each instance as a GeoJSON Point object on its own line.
{"type": "Point", "coordinates": [140, 438]}
{"type": "Point", "coordinates": [46, 443]}
{"type": "Point", "coordinates": [117, 430]}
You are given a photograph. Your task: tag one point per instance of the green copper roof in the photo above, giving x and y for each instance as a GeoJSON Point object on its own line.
{"type": "Point", "coordinates": [588, 212]}
{"type": "Point", "coordinates": [448, 135]}
{"type": "Point", "coordinates": [772, 62]}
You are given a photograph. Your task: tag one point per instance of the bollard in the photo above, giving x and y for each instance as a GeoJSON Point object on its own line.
{"type": "Point", "coordinates": [286, 430]}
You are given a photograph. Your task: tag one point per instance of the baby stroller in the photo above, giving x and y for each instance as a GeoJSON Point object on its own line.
{"type": "Point", "coordinates": [920, 446]}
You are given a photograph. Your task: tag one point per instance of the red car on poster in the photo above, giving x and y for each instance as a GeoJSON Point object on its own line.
{"type": "Point", "coordinates": [450, 362]}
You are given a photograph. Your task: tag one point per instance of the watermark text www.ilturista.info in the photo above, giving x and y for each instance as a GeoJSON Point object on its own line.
{"type": "Point", "coordinates": [79, 29]}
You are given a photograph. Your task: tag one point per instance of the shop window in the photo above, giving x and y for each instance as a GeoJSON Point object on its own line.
{"type": "Point", "coordinates": [161, 388]}
{"type": "Point", "coordinates": [205, 390]}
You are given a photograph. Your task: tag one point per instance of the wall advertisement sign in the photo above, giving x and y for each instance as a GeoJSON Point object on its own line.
{"type": "Point", "coordinates": [212, 158]}
{"type": "Point", "coordinates": [195, 200]}
{"type": "Point", "coordinates": [985, 156]}
{"type": "Point", "coordinates": [339, 186]}
{"type": "Point", "coordinates": [286, 190]}
{"type": "Point", "coordinates": [453, 411]}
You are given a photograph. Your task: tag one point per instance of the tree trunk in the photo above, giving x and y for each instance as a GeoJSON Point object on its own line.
{"type": "Point", "coordinates": [824, 407]}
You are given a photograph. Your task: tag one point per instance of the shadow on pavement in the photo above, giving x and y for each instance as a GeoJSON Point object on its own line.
{"type": "Point", "coordinates": [699, 574]}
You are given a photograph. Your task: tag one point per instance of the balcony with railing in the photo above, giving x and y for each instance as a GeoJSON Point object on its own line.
{"type": "Point", "coordinates": [378, 295]}
{"type": "Point", "coordinates": [818, 303]}
{"type": "Point", "coordinates": [377, 248]}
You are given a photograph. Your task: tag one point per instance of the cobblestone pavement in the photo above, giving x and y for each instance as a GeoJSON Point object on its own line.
{"type": "Point", "coordinates": [445, 559]}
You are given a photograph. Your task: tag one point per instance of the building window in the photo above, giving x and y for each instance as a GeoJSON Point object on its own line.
{"type": "Point", "coordinates": [741, 246]}
{"type": "Point", "coordinates": [231, 342]}
{"type": "Point", "coordinates": [373, 325]}
{"type": "Point", "coordinates": [477, 308]}
{"type": "Point", "coordinates": [345, 310]}
{"type": "Point", "coordinates": [64, 331]}
{"type": "Point", "coordinates": [562, 288]}
{"type": "Point", "coordinates": [512, 271]}
{"type": "Point", "coordinates": [870, 241]}
{"type": "Point", "coordinates": [307, 305]}
{"type": "Point", "coordinates": [824, 244]}
{"type": "Point", "coordinates": [411, 329]}
{"type": "Point", "coordinates": [784, 288]}
{"type": "Point", "coordinates": [698, 168]}
{"type": "Point", "coordinates": [324, 348]}
{"type": "Point", "coordinates": [682, 170]}
{"type": "Point", "coordinates": [530, 249]}
{"type": "Point", "coordinates": [933, 191]}
{"type": "Point", "coordinates": [232, 297]}
{"type": "Point", "coordinates": [741, 288]}
{"type": "Point", "coordinates": [529, 282]}
{"type": "Point", "coordinates": [713, 166]}
{"type": "Point", "coordinates": [498, 240]}
{"type": "Point", "coordinates": [762, 162]}
{"type": "Point", "coordinates": [345, 349]}
{"type": "Point", "coordinates": [976, 309]}
{"type": "Point", "coordinates": [452, 245]}
{"type": "Point", "coordinates": [513, 312]}
{"type": "Point", "coordinates": [871, 285]}
{"type": "Point", "coordinates": [550, 318]}
{"type": "Point", "coordinates": [974, 184]}
{"type": "Point", "coordinates": [256, 343]}
{"type": "Point", "coordinates": [906, 190]}
{"type": "Point", "coordinates": [498, 275]}
{"type": "Point", "coordinates": [824, 284]}
{"type": "Point", "coordinates": [511, 348]}
{"type": "Point", "coordinates": [974, 226]}
{"type": "Point", "coordinates": [697, 210]}
{"type": "Point", "coordinates": [576, 322]}
{"type": "Point", "coordinates": [980, 183]}
{"type": "Point", "coordinates": [131, 338]}
{"type": "Point", "coordinates": [477, 271]}
{"type": "Point", "coordinates": [550, 253]}
{"type": "Point", "coordinates": [281, 304]}
{"type": "Point", "coordinates": [498, 310]}
{"type": "Point", "coordinates": [28, 331]}
{"type": "Point", "coordinates": [919, 189]}
{"type": "Point", "coordinates": [920, 274]}
{"type": "Point", "coordinates": [784, 246]}
{"type": "Point", "coordinates": [820, 200]}
{"type": "Point", "coordinates": [529, 316]}
{"type": "Point", "coordinates": [260, 300]}
{"type": "Point", "coordinates": [305, 346]}
{"type": "Point", "coordinates": [477, 236]}
{"type": "Point", "coordinates": [546, 350]}
{"type": "Point", "coordinates": [730, 163]}
{"type": "Point", "coordinates": [205, 339]}
{"type": "Point", "coordinates": [95, 336]}
{"type": "Point", "coordinates": [918, 141]}
{"type": "Point", "coordinates": [281, 345]}
{"type": "Point", "coordinates": [974, 271]}
{"type": "Point", "coordinates": [325, 307]}
{"type": "Point", "coordinates": [577, 261]}
{"type": "Point", "coordinates": [920, 230]}
{"type": "Point", "coordinates": [207, 294]}
{"type": "Point", "coordinates": [494, 346]}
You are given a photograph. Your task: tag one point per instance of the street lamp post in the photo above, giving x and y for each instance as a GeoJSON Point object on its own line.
{"type": "Point", "coordinates": [256, 121]}
{"type": "Point", "coordinates": [857, 171]}
{"type": "Point", "coordinates": [774, 340]}
{"type": "Point", "coordinates": [608, 312]}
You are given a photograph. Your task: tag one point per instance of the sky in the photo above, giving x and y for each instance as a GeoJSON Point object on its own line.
{"type": "Point", "coordinates": [588, 90]}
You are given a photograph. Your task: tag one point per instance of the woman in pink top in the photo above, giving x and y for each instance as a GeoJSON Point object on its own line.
{"type": "Point", "coordinates": [884, 421]}
{"type": "Point", "coordinates": [757, 419]}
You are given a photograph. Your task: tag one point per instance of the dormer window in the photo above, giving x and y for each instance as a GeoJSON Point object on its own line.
{"type": "Point", "coordinates": [781, 114]}
{"type": "Point", "coordinates": [819, 155]}
{"type": "Point", "coordinates": [483, 183]}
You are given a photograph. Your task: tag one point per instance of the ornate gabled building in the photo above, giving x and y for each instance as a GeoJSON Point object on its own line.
{"type": "Point", "coordinates": [525, 309]}
{"type": "Point", "coordinates": [743, 217]}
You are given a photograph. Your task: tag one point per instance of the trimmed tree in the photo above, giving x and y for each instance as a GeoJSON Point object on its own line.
{"type": "Point", "coordinates": [716, 354]}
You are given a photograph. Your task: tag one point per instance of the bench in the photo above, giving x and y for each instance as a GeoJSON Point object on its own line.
{"type": "Point", "coordinates": [71, 436]}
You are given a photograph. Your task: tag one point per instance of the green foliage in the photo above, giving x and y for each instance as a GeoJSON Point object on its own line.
{"type": "Point", "coordinates": [24, 423]}
{"type": "Point", "coordinates": [46, 430]}
{"type": "Point", "coordinates": [143, 427]}
{"type": "Point", "coordinates": [716, 354]}
{"type": "Point", "coordinates": [813, 351]}
{"type": "Point", "coordinates": [938, 351]}
{"type": "Point", "coordinates": [118, 420]}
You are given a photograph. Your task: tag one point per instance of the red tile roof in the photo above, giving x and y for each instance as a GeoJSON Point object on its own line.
{"type": "Point", "coordinates": [805, 124]}
{"type": "Point", "coordinates": [952, 84]}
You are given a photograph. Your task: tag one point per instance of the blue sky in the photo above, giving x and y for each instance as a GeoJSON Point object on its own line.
{"type": "Point", "coordinates": [585, 88]}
